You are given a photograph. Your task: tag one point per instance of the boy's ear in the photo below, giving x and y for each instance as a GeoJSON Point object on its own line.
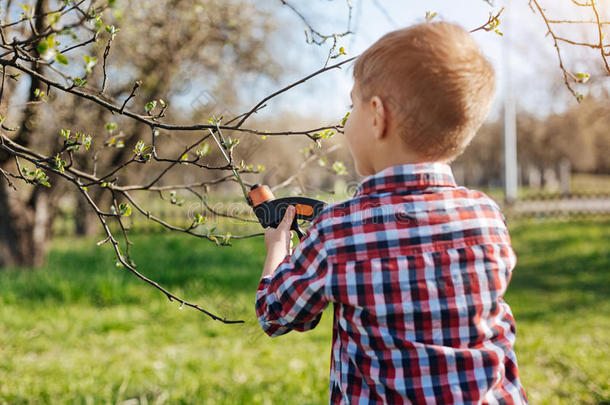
{"type": "Point", "coordinates": [379, 118]}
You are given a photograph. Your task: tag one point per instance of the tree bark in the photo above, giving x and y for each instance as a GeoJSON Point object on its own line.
{"type": "Point", "coordinates": [25, 221]}
{"type": "Point", "coordinates": [86, 222]}
{"type": "Point", "coordinates": [25, 228]}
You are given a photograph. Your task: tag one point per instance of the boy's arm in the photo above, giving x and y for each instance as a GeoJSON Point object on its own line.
{"type": "Point", "coordinates": [278, 242]}
{"type": "Point", "coordinates": [291, 294]}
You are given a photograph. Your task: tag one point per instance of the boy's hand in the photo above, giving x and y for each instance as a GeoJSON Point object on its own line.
{"type": "Point", "coordinates": [278, 242]}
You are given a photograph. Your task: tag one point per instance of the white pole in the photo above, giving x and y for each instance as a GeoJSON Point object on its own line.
{"type": "Point", "coordinates": [510, 117]}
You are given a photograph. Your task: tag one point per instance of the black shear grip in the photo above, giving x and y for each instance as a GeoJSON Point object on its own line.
{"type": "Point", "coordinates": [270, 213]}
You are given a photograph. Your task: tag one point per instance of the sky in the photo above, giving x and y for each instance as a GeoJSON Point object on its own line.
{"type": "Point", "coordinates": [534, 77]}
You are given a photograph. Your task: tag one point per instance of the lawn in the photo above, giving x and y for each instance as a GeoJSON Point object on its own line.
{"type": "Point", "coordinates": [84, 331]}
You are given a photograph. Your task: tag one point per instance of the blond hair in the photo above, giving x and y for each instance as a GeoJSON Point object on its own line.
{"type": "Point", "coordinates": [435, 82]}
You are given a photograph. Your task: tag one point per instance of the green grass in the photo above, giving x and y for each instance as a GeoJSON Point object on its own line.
{"type": "Point", "coordinates": [84, 331]}
{"type": "Point", "coordinates": [560, 297]}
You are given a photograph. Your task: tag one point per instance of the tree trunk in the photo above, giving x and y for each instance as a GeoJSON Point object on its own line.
{"type": "Point", "coordinates": [86, 223]}
{"type": "Point", "coordinates": [25, 228]}
{"type": "Point", "coordinates": [25, 220]}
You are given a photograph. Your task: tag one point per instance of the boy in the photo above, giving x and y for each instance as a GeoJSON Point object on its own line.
{"type": "Point", "coordinates": [415, 266]}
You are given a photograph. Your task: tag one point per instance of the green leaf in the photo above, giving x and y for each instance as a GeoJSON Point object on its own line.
{"type": "Point", "coordinates": [203, 150]}
{"type": "Point", "coordinates": [111, 126]}
{"type": "Point", "coordinates": [61, 59]}
{"type": "Point", "coordinates": [54, 17]}
{"type": "Point", "coordinates": [79, 82]}
{"type": "Point", "coordinates": [582, 77]}
{"type": "Point", "coordinates": [60, 163]}
{"type": "Point", "coordinates": [114, 142]}
{"type": "Point", "coordinates": [344, 120]}
{"type": "Point", "coordinates": [41, 177]}
{"type": "Point", "coordinates": [86, 141]}
{"type": "Point", "coordinates": [51, 42]}
{"type": "Point", "coordinates": [339, 168]}
{"type": "Point", "coordinates": [112, 30]}
{"type": "Point", "coordinates": [150, 105]}
{"type": "Point", "coordinates": [42, 47]}
{"type": "Point", "coordinates": [98, 23]}
{"type": "Point", "coordinates": [138, 148]}
{"type": "Point", "coordinates": [231, 143]}
{"type": "Point", "coordinates": [39, 94]}
{"type": "Point", "coordinates": [90, 62]}
{"type": "Point", "coordinates": [124, 209]}
{"type": "Point", "coordinates": [174, 200]}
{"type": "Point", "coordinates": [327, 134]}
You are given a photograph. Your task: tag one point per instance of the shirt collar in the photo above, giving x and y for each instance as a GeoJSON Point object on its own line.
{"type": "Point", "coordinates": [413, 176]}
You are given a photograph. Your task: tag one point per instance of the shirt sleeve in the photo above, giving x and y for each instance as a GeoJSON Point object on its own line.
{"type": "Point", "coordinates": [293, 297]}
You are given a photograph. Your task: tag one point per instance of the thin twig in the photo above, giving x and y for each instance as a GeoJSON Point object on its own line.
{"type": "Point", "coordinates": [106, 53]}
{"type": "Point", "coordinates": [601, 36]}
{"type": "Point", "coordinates": [555, 41]}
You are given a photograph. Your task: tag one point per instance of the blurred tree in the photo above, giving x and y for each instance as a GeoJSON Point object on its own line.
{"type": "Point", "coordinates": [579, 135]}
{"type": "Point", "coordinates": [97, 111]}
{"type": "Point", "coordinates": [191, 56]}
{"type": "Point", "coordinates": [180, 51]}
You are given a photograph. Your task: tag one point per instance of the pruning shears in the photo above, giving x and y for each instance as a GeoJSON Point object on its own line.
{"type": "Point", "coordinates": [270, 210]}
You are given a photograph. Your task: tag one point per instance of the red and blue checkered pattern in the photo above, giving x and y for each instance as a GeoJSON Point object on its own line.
{"type": "Point", "coordinates": [416, 268]}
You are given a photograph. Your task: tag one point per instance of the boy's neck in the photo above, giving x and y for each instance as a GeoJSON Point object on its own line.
{"type": "Point", "coordinates": [388, 158]}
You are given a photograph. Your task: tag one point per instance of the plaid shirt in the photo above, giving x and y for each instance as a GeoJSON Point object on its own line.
{"type": "Point", "coordinates": [416, 268]}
